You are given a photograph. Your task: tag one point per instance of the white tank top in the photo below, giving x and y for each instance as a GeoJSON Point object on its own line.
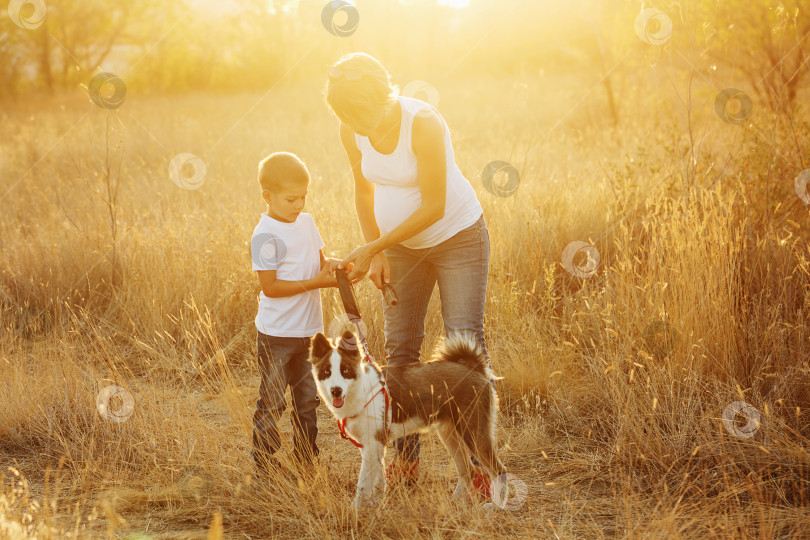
{"type": "Point", "coordinates": [397, 195]}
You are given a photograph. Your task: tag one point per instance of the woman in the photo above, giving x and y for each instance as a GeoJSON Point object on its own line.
{"type": "Point", "coordinates": [420, 218]}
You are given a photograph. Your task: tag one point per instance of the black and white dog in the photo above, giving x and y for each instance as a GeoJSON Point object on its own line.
{"type": "Point", "coordinates": [374, 405]}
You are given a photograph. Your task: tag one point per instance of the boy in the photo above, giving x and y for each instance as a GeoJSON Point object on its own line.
{"type": "Point", "coordinates": [287, 255]}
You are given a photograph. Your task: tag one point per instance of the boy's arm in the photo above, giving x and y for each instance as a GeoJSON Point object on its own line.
{"type": "Point", "coordinates": [328, 262]}
{"type": "Point", "coordinates": [278, 288]}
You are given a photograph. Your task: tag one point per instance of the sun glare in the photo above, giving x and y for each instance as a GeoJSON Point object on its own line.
{"type": "Point", "coordinates": [458, 4]}
{"type": "Point", "coordinates": [215, 7]}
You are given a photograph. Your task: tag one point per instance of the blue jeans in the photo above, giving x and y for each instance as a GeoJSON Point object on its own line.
{"type": "Point", "coordinates": [460, 266]}
{"type": "Point", "coordinates": [284, 361]}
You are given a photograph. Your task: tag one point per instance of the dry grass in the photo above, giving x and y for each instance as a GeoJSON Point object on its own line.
{"type": "Point", "coordinates": [614, 387]}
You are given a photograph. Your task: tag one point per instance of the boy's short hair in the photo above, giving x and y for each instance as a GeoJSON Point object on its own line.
{"type": "Point", "coordinates": [282, 170]}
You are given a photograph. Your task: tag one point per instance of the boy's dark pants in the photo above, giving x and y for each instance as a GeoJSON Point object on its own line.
{"type": "Point", "coordinates": [284, 361]}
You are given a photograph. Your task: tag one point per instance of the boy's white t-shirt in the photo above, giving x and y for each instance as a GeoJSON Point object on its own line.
{"type": "Point", "coordinates": [293, 251]}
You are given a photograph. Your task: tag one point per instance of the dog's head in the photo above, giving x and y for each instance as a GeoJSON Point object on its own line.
{"type": "Point", "coordinates": [336, 368]}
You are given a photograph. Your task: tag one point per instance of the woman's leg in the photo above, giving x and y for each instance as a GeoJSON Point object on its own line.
{"type": "Point", "coordinates": [413, 278]}
{"type": "Point", "coordinates": [462, 266]}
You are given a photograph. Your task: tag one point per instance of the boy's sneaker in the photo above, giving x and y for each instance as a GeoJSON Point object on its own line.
{"type": "Point", "coordinates": [271, 467]}
{"type": "Point", "coordinates": [305, 468]}
{"type": "Point", "coordinates": [481, 484]}
{"type": "Point", "coordinates": [402, 471]}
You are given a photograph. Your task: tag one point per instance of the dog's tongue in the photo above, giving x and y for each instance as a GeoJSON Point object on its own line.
{"type": "Point", "coordinates": [337, 402]}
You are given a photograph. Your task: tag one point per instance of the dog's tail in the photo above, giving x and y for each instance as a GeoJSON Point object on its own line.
{"type": "Point", "coordinates": [462, 348]}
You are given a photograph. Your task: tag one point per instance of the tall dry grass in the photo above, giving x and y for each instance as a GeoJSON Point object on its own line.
{"type": "Point", "coordinates": [615, 384]}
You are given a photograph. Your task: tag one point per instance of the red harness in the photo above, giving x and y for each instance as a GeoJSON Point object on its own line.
{"type": "Point", "coordinates": [341, 423]}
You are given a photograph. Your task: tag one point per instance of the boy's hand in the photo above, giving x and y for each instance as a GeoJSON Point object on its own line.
{"type": "Point", "coordinates": [326, 277]}
{"type": "Point", "coordinates": [332, 265]}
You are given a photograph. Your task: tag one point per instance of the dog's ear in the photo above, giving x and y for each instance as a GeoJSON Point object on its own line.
{"type": "Point", "coordinates": [319, 345]}
{"type": "Point", "coordinates": [349, 343]}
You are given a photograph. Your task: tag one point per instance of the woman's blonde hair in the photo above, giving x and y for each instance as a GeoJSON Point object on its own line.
{"type": "Point", "coordinates": [359, 89]}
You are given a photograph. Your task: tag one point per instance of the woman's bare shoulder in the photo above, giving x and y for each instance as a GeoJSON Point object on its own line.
{"type": "Point", "coordinates": [428, 127]}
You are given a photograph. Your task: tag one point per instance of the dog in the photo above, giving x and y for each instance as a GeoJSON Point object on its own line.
{"type": "Point", "coordinates": [451, 393]}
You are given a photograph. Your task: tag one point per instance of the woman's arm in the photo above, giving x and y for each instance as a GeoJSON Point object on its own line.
{"type": "Point", "coordinates": [379, 269]}
{"type": "Point", "coordinates": [363, 189]}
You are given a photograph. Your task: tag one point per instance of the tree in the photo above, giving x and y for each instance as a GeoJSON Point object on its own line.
{"type": "Point", "coordinates": [766, 41]}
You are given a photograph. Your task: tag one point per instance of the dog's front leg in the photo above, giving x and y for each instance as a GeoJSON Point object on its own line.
{"type": "Point", "coordinates": [369, 487]}
{"type": "Point", "coordinates": [379, 480]}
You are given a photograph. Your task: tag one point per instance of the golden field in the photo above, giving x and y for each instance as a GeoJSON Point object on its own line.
{"type": "Point", "coordinates": [615, 383]}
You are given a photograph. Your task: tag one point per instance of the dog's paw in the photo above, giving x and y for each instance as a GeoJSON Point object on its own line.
{"type": "Point", "coordinates": [360, 503]}
{"type": "Point", "coordinates": [461, 493]}
{"type": "Point", "coordinates": [461, 501]}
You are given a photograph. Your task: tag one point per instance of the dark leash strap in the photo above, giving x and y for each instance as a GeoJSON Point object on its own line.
{"type": "Point", "coordinates": [346, 290]}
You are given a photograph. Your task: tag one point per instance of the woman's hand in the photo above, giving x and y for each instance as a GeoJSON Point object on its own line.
{"type": "Point", "coordinates": [380, 271]}
{"type": "Point", "coordinates": [358, 262]}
